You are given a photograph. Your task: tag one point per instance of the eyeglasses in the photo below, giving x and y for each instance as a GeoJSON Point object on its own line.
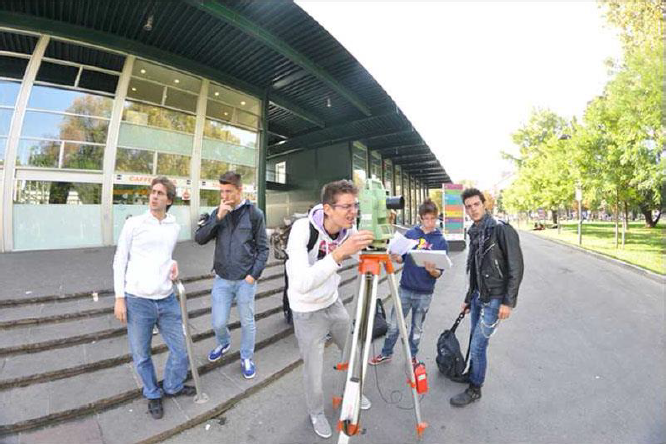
{"type": "Point", "coordinates": [348, 207]}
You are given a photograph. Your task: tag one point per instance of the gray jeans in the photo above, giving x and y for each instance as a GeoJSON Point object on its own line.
{"type": "Point", "coordinates": [311, 329]}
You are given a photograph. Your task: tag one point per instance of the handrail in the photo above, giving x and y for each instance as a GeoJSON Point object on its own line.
{"type": "Point", "coordinates": [200, 397]}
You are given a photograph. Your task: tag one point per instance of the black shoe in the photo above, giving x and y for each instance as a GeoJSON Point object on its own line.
{"type": "Point", "coordinates": [187, 390]}
{"type": "Point", "coordinates": [469, 395]}
{"type": "Point", "coordinates": [463, 379]}
{"type": "Point", "coordinates": [155, 408]}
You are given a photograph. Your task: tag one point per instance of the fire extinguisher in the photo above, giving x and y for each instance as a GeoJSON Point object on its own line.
{"type": "Point", "coordinates": [420, 371]}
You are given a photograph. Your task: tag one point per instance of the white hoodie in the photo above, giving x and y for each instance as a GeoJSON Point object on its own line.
{"type": "Point", "coordinates": [312, 284]}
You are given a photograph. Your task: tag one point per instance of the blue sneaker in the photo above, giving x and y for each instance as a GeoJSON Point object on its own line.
{"type": "Point", "coordinates": [248, 368]}
{"type": "Point", "coordinates": [218, 352]}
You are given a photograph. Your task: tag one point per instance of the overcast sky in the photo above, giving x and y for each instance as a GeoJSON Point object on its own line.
{"type": "Point", "coordinates": [467, 74]}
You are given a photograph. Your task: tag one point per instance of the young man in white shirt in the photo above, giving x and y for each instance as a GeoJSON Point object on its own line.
{"type": "Point", "coordinates": [143, 274]}
{"type": "Point", "coordinates": [313, 286]}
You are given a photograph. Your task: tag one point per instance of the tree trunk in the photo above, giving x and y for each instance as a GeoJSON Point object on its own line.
{"type": "Point", "coordinates": [555, 216]}
{"type": "Point", "coordinates": [625, 224]}
{"type": "Point", "coordinates": [649, 222]}
{"type": "Point", "coordinates": [617, 220]}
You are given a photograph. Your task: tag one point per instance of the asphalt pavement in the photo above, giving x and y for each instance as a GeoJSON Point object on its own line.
{"type": "Point", "coordinates": [581, 360]}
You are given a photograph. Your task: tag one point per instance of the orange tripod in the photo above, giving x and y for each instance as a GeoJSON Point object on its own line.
{"type": "Point", "coordinates": [359, 343]}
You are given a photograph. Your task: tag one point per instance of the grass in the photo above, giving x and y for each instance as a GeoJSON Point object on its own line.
{"type": "Point", "coordinates": [645, 247]}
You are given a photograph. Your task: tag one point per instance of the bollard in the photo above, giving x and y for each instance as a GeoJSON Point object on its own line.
{"type": "Point", "coordinates": [200, 397]}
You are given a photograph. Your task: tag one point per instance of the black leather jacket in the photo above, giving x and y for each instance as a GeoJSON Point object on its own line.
{"type": "Point", "coordinates": [500, 271]}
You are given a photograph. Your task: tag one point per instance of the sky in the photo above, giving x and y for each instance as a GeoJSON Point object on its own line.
{"type": "Point", "coordinates": [468, 74]}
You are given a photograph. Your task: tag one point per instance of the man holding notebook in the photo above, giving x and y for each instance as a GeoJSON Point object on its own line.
{"type": "Point", "coordinates": [417, 283]}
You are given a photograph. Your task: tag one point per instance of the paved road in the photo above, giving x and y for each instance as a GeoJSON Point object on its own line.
{"type": "Point", "coordinates": [581, 360]}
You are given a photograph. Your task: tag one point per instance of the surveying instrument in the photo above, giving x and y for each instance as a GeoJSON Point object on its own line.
{"type": "Point", "coordinates": [373, 210]}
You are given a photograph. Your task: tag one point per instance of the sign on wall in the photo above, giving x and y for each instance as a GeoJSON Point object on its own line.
{"type": "Point", "coordinates": [453, 212]}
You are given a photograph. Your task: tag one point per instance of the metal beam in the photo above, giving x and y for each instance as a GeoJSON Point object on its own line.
{"type": "Point", "coordinates": [415, 157]}
{"type": "Point", "coordinates": [222, 12]}
{"type": "Point", "coordinates": [305, 138]}
{"type": "Point", "coordinates": [418, 168]}
{"type": "Point", "coordinates": [111, 41]}
{"type": "Point", "coordinates": [427, 160]}
{"type": "Point", "coordinates": [400, 148]}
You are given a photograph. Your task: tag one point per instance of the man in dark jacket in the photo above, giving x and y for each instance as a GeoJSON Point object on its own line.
{"type": "Point", "coordinates": [496, 267]}
{"type": "Point", "coordinates": [240, 256]}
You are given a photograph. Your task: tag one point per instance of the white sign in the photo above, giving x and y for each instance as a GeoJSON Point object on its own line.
{"type": "Point", "coordinates": [578, 194]}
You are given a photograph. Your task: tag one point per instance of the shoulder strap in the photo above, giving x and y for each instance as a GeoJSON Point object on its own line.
{"type": "Point", "coordinates": [312, 237]}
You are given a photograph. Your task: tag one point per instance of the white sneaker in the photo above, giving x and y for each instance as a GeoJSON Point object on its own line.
{"type": "Point", "coordinates": [365, 404]}
{"type": "Point", "coordinates": [321, 425]}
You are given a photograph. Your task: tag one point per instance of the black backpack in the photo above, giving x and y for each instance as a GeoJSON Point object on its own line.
{"type": "Point", "coordinates": [449, 355]}
{"type": "Point", "coordinates": [312, 239]}
{"type": "Point", "coordinates": [379, 321]}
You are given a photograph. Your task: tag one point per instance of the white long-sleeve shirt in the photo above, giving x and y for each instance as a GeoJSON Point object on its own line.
{"type": "Point", "coordinates": [144, 256]}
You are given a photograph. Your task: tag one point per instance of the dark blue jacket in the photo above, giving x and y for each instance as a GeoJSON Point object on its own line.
{"type": "Point", "coordinates": [241, 242]}
{"type": "Point", "coordinates": [413, 277]}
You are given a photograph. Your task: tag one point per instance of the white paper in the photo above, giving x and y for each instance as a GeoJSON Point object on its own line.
{"type": "Point", "coordinates": [439, 258]}
{"type": "Point", "coordinates": [400, 244]}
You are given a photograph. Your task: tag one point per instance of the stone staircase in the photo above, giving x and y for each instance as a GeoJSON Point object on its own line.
{"type": "Point", "coordinates": [66, 374]}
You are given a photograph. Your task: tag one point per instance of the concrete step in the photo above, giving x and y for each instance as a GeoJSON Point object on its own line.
{"type": "Point", "coordinates": [82, 395]}
{"type": "Point", "coordinates": [27, 369]}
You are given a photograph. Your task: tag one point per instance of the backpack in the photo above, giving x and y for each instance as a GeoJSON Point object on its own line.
{"type": "Point", "coordinates": [379, 321]}
{"type": "Point", "coordinates": [312, 239]}
{"type": "Point", "coordinates": [449, 355]}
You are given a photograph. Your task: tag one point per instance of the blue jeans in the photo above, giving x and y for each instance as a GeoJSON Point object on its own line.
{"type": "Point", "coordinates": [484, 322]}
{"type": "Point", "coordinates": [142, 315]}
{"type": "Point", "coordinates": [419, 304]}
{"type": "Point", "coordinates": [222, 295]}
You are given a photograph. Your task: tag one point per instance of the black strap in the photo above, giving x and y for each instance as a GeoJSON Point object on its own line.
{"type": "Point", "coordinates": [312, 237]}
{"type": "Point", "coordinates": [459, 319]}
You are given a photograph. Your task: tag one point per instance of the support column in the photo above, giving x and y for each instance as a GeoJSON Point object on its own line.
{"type": "Point", "coordinates": [7, 201]}
{"type": "Point", "coordinates": [109, 164]}
{"type": "Point", "coordinates": [196, 158]}
{"type": "Point", "coordinates": [262, 156]}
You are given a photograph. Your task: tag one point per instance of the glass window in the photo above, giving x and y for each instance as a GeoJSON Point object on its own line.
{"type": "Point", "coordinates": [56, 73]}
{"type": "Point", "coordinates": [234, 98]}
{"type": "Point", "coordinates": [71, 52]}
{"type": "Point", "coordinates": [212, 169]}
{"type": "Point", "coordinates": [247, 119]}
{"type": "Point", "coordinates": [3, 147]}
{"type": "Point", "coordinates": [146, 91]}
{"type": "Point", "coordinates": [16, 42]}
{"type": "Point", "coordinates": [209, 198]}
{"type": "Point", "coordinates": [38, 153]}
{"type": "Point", "coordinates": [134, 161]}
{"type": "Point", "coordinates": [360, 168]}
{"type": "Point", "coordinates": [242, 137]}
{"type": "Point", "coordinates": [9, 91]}
{"type": "Point", "coordinates": [219, 111]}
{"type": "Point", "coordinates": [56, 215]}
{"type": "Point", "coordinates": [142, 114]}
{"type": "Point", "coordinates": [388, 172]}
{"type": "Point", "coordinates": [247, 175]}
{"type": "Point", "coordinates": [216, 130]}
{"type": "Point", "coordinates": [146, 70]}
{"type": "Point", "coordinates": [69, 193]}
{"type": "Point", "coordinates": [173, 165]}
{"type": "Point", "coordinates": [181, 100]}
{"type": "Point", "coordinates": [57, 126]}
{"type": "Point", "coordinates": [12, 67]}
{"type": "Point", "coordinates": [82, 157]}
{"type": "Point", "coordinates": [66, 100]}
{"type": "Point", "coordinates": [5, 120]}
{"type": "Point", "coordinates": [130, 194]}
{"type": "Point", "coordinates": [98, 81]}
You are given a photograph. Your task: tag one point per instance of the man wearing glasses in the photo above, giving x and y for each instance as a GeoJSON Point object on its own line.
{"type": "Point", "coordinates": [313, 286]}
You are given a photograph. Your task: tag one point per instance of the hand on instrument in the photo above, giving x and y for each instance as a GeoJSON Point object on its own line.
{"type": "Point", "coordinates": [396, 258]}
{"type": "Point", "coordinates": [355, 243]}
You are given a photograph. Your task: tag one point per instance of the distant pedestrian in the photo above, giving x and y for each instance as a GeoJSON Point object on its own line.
{"type": "Point", "coordinates": [317, 309]}
{"type": "Point", "coordinates": [240, 257]}
{"type": "Point", "coordinates": [417, 283]}
{"type": "Point", "coordinates": [143, 274]}
{"type": "Point", "coordinates": [495, 266]}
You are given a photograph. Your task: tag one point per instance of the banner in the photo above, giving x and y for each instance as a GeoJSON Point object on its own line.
{"type": "Point", "coordinates": [453, 212]}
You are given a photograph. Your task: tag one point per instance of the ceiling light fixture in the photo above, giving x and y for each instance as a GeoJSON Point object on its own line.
{"type": "Point", "coordinates": [243, 103]}
{"type": "Point", "coordinates": [134, 89]}
{"type": "Point", "coordinates": [143, 71]}
{"type": "Point", "coordinates": [329, 102]}
{"type": "Point", "coordinates": [176, 80]}
{"type": "Point", "coordinates": [216, 94]}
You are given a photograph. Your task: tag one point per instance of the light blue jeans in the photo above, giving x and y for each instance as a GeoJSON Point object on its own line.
{"type": "Point", "coordinates": [484, 322]}
{"type": "Point", "coordinates": [142, 315]}
{"type": "Point", "coordinates": [418, 303]}
{"type": "Point", "coordinates": [223, 293]}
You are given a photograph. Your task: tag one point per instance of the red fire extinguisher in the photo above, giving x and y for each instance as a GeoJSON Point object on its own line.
{"type": "Point", "coordinates": [420, 371]}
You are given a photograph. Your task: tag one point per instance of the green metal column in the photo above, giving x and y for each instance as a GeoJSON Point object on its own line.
{"type": "Point", "coordinates": [262, 157]}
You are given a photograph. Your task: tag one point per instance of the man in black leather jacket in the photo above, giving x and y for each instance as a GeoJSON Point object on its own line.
{"type": "Point", "coordinates": [495, 266]}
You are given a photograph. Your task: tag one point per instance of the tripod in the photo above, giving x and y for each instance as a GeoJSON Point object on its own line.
{"type": "Point", "coordinates": [358, 345]}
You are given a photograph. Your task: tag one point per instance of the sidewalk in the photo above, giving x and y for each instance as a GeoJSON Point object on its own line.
{"type": "Point", "coordinates": [58, 272]}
